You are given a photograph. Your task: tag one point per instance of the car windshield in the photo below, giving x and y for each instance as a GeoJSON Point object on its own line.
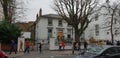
{"type": "Point", "coordinates": [94, 50]}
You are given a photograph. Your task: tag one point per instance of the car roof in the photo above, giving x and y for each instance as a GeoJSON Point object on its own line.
{"type": "Point", "coordinates": [107, 47]}
{"type": "Point", "coordinates": [103, 48]}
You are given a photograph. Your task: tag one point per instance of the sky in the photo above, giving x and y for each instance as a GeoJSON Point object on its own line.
{"type": "Point", "coordinates": [33, 7]}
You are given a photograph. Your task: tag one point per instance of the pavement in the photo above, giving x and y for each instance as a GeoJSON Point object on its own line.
{"type": "Point", "coordinates": [13, 55]}
{"type": "Point", "coordinates": [45, 53]}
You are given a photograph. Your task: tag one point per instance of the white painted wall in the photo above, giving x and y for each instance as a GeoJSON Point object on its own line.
{"type": "Point", "coordinates": [52, 45]}
{"type": "Point", "coordinates": [42, 29]}
{"type": "Point", "coordinates": [90, 31]}
{"type": "Point", "coordinates": [26, 34]}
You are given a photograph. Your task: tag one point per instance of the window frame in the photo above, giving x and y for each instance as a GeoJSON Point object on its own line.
{"type": "Point", "coordinates": [50, 22]}
{"type": "Point", "coordinates": [60, 23]}
{"type": "Point", "coordinates": [97, 29]}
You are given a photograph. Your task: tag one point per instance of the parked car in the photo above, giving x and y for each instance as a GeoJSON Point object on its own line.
{"type": "Point", "coordinates": [2, 54]}
{"type": "Point", "coordinates": [101, 52]}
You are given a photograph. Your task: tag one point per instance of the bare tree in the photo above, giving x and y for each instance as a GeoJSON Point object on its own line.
{"type": "Point", "coordinates": [9, 9]}
{"type": "Point", "coordinates": [77, 13]}
{"type": "Point", "coordinates": [112, 12]}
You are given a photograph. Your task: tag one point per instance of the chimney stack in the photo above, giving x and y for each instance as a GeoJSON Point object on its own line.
{"type": "Point", "coordinates": [40, 12]}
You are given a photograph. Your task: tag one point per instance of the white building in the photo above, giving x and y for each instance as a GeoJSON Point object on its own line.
{"type": "Point", "coordinates": [99, 28]}
{"type": "Point", "coordinates": [50, 25]}
{"type": "Point", "coordinates": [26, 35]}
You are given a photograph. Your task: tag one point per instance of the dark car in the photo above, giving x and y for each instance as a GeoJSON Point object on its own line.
{"type": "Point", "coordinates": [2, 54]}
{"type": "Point", "coordinates": [101, 52]}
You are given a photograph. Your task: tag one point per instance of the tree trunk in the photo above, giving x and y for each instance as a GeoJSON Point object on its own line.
{"type": "Point", "coordinates": [8, 9]}
{"type": "Point", "coordinates": [111, 30]}
{"type": "Point", "coordinates": [77, 36]}
{"type": "Point", "coordinates": [5, 9]}
{"type": "Point", "coordinates": [6, 14]}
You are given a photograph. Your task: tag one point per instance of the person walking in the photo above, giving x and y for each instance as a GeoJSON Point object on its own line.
{"type": "Point", "coordinates": [85, 45]}
{"type": "Point", "coordinates": [40, 47]}
{"type": "Point", "coordinates": [63, 45]}
{"type": "Point", "coordinates": [27, 46]}
{"type": "Point", "coordinates": [118, 43]}
{"type": "Point", "coordinates": [12, 47]}
{"type": "Point", "coordinates": [79, 46]}
{"type": "Point", "coordinates": [60, 46]}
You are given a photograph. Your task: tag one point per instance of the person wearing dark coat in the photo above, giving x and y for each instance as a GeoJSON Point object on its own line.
{"type": "Point", "coordinates": [85, 45]}
{"type": "Point", "coordinates": [40, 47]}
{"type": "Point", "coordinates": [12, 47]}
{"type": "Point", "coordinates": [79, 46]}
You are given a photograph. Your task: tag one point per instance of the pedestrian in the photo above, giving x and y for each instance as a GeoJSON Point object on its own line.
{"type": "Point", "coordinates": [74, 45]}
{"type": "Point", "coordinates": [60, 46]}
{"type": "Point", "coordinates": [85, 45]}
{"type": "Point", "coordinates": [40, 47]}
{"type": "Point", "coordinates": [12, 47]}
{"type": "Point", "coordinates": [63, 45]}
{"type": "Point", "coordinates": [79, 46]}
{"type": "Point", "coordinates": [118, 43]}
{"type": "Point", "coordinates": [27, 46]}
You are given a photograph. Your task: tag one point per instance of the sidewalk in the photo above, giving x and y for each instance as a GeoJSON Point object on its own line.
{"type": "Point", "coordinates": [46, 52]}
{"type": "Point", "coordinates": [64, 52]}
{"type": "Point", "coordinates": [13, 55]}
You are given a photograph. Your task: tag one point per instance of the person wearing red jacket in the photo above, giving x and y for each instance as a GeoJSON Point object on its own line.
{"type": "Point", "coordinates": [27, 46]}
{"type": "Point", "coordinates": [63, 45]}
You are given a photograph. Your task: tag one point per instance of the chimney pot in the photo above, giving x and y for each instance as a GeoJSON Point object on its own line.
{"type": "Point", "coordinates": [40, 12]}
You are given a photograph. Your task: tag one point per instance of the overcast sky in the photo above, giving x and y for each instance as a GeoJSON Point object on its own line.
{"type": "Point", "coordinates": [33, 7]}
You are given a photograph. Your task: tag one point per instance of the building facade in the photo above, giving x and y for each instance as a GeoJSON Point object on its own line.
{"type": "Point", "coordinates": [99, 28]}
{"type": "Point", "coordinates": [51, 25]}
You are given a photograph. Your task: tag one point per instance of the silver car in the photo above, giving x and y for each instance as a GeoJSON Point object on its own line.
{"type": "Point", "coordinates": [100, 52]}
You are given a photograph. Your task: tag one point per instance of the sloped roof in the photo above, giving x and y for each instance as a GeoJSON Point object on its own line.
{"type": "Point", "coordinates": [51, 16]}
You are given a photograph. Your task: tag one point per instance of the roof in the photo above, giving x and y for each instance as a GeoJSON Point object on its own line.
{"type": "Point", "coordinates": [51, 16]}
